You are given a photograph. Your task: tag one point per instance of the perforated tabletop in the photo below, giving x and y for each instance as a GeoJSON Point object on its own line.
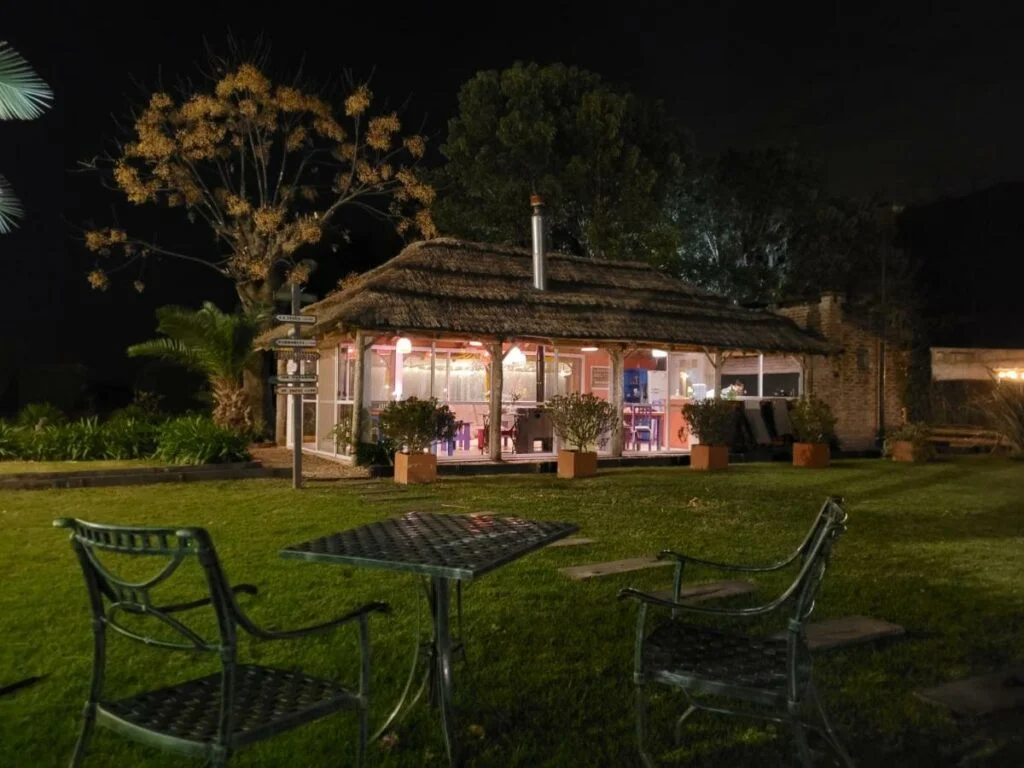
{"type": "Point", "coordinates": [450, 546]}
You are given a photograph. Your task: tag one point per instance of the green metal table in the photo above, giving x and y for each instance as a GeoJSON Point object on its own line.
{"type": "Point", "coordinates": [445, 549]}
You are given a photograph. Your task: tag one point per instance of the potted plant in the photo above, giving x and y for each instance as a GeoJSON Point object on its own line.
{"type": "Point", "coordinates": [580, 421]}
{"type": "Point", "coordinates": [909, 443]}
{"type": "Point", "coordinates": [414, 425]}
{"type": "Point", "coordinates": [814, 428]}
{"type": "Point", "coordinates": [712, 422]}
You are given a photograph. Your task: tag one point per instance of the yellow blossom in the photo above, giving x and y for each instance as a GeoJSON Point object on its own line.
{"type": "Point", "coordinates": [299, 274]}
{"type": "Point", "coordinates": [308, 193]}
{"type": "Point", "coordinates": [295, 139]}
{"type": "Point", "coordinates": [98, 280]}
{"type": "Point", "coordinates": [247, 107]}
{"type": "Point", "coordinates": [416, 145]}
{"type": "Point", "coordinates": [236, 206]}
{"type": "Point", "coordinates": [425, 224]}
{"type": "Point", "coordinates": [381, 129]}
{"type": "Point", "coordinates": [160, 100]}
{"type": "Point", "coordinates": [139, 286]}
{"type": "Point", "coordinates": [96, 239]}
{"type": "Point", "coordinates": [268, 220]}
{"type": "Point", "coordinates": [358, 102]}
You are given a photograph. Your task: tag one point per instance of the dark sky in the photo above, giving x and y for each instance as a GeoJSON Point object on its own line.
{"type": "Point", "coordinates": [910, 100]}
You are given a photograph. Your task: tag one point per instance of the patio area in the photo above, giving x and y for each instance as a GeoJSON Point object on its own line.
{"type": "Point", "coordinates": [933, 548]}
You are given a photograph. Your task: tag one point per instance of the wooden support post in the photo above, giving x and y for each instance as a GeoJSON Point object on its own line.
{"type": "Point", "coordinates": [618, 358]}
{"type": "Point", "coordinates": [359, 419]}
{"type": "Point", "coordinates": [760, 375]}
{"type": "Point", "coordinates": [494, 434]}
{"type": "Point", "coordinates": [281, 412]}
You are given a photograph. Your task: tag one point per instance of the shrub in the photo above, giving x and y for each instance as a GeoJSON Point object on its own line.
{"type": "Point", "coordinates": [381, 453]}
{"type": "Point", "coordinates": [128, 438]}
{"type": "Point", "coordinates": [1006, 413]}
{"type": "Point", "coordinates": [81, 440]}
{"type": "Point", "coordinates": [197, 440]}
{"type": "Point", "coordinates": [581, 420]}
{"type": "Point", "coordinates": [812, 420]}
{"type": "Point", "coordinates": [39, 415]}
{"type": "Point", "coordinates": [915, 433]}
{"type": "Point", "coordinates": [342, 434]}
{"type": "Point", "coordinates": [711, 420]}
{"type": "Point", "coordinates": [136, 413]}
{"type": "Point", "coordinates": [10, 441]}
{"type": "Point", "coordinates": [414, 424]}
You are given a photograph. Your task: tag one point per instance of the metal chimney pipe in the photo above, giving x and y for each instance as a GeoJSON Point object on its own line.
{"type": "Point", "coordinates": [540, 278]}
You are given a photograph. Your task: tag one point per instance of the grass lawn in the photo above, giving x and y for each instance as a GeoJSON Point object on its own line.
{"type": "Point", "coordinates": [21, 467]}
{"type": "Point", "coordinates": [937, 548]}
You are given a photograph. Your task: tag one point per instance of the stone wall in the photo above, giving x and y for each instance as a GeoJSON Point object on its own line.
{"type": "Point", "coordinates": [848, 379]}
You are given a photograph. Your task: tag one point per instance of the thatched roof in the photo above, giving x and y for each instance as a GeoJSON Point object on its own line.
{"type": "Point", "coordinates": [447, 287]}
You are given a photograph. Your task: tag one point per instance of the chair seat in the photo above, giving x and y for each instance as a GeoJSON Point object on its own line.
{"type": "Point", "coordinates": [266, 700]}
{"type": "Point", "coordinates": [709, 661]}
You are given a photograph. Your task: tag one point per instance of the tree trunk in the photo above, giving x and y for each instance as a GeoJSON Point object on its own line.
{"type": "Point", "coordinates": [258, 392]}
{"type": "Point", "coordinates": [231, 409]}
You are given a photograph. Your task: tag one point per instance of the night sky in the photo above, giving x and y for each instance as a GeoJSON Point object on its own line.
{"type": "Point", "coordinates": [911, 101]}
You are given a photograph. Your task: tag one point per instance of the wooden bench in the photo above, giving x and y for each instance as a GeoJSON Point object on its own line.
{"type": "Point", "coordinates": [966, 437]}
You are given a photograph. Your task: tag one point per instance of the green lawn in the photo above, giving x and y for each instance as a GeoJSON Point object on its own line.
{"type": "Point", "coordinates": [20, 467]}
{"type": "Point", "coordinates": [936, 548]}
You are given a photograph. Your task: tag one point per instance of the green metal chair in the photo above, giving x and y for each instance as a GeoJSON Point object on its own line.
{"type": "Point", "coordinates": [210, 717]}
{"type": "Point", "coordinates": [763, 677]}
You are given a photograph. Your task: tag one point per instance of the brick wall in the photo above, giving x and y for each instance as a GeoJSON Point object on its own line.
{"type": "Point", "coordinates": [848, 379]}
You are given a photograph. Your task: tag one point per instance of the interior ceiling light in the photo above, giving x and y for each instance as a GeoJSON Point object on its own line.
{"type": "Point", "coordinates": [659, 353]}
{"type": "Point", "coordinates": [404, 346]}
{"type": "Point", "coordinates": [515, 356]}
{"type": "Point", "coordinates": [588, 349]}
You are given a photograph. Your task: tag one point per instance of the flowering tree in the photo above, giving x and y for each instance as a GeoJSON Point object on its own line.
{"type": "Point", "coordinates": [266, 168]}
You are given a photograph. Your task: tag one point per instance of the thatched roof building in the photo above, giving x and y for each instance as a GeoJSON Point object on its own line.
{"type": "Point", "coordinates": [452, 288]}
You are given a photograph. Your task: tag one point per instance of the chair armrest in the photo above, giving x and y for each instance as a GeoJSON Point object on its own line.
{"type": "Point", "coordinates": [681, 558]}
{"type": "Point", "coordinates": [289, 634]}
{"type": "Point", "coordinates": [649, 599]}
{"type": "Point", "coordinates": [249, 589]}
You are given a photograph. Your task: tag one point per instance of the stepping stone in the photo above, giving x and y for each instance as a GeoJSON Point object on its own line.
{"type": "Point", "coordinates": [712, 590]}
{"type": "Point", "coordinates": [572, 541]}
{"type": "Point", "coordinates": [980, 695]}
{"type": "Point", "coordinates": [848, 630]}
{"type": "Point", "coordinates": [584, 572]}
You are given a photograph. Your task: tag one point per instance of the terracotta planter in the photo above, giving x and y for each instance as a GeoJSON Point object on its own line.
{"type": "Point", "coordinates": [411, 468]}
{"type": "Point", "coordinates": [811, 455]}
{"type": "Point", "coordinates": [709, 456]}
{"type": "Point", "coordinates": [576, 464]}
{"type": "Point", "coordinates": [904, 450]}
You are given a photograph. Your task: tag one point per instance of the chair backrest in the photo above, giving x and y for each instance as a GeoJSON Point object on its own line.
{"type": "Point", "coordinates": [111, 594]}
{"type": "Point", "coordinates": [816, 553]}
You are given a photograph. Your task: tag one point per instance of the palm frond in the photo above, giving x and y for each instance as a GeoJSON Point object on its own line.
{"type": "Point", "coordinates": [10, 207]}
{"type": "Point", "coordinates": [171, 350]}
{"type": "Point", "coordinates": [23, 94]}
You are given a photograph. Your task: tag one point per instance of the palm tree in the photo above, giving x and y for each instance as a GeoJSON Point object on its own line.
{"type": "Point", "coordinates": [215, 344]}
{"type": "Point", "coordinates": [23, 96]}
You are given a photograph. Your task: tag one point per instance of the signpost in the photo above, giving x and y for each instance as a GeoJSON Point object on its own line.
{"type": "Point", "coordinates": [295, 384]}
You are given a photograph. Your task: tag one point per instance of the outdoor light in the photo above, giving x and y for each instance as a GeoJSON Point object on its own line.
{"type": "Point", "coordinates": [588, 349]}
{"type": "Point", "coordinates": [476, 343]}
{"type": "Point", "coordinates": [515, 356]}
{"type": "Point", "coordinates": [404, 346]}
{"type": "Point", "coordinates": [1013, 375]}
{"type": "Point", "coordinates": [659, 353]}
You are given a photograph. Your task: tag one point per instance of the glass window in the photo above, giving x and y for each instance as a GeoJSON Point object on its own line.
{"type": "Point", "coordinates": [467, 378]}
{"type": "Point", "coordinates": [441, 376]}
{"type": "Point", "coordinates": [782, 384]}
{"type": "Point", "coordinates": [687, 376]}
{"type": "Point", "coordinates": [566, 380]}
{"type": "Point", "coordinates": [519, 381]}
{"type": "Point", "coordinates": [382, 374]}
{"type": "Point", "coordinates": [416, 375]}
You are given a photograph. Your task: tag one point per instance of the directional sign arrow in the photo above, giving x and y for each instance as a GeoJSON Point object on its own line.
{"type": "Point", "coordinates": [300, 319]}
{"type": "Point", "coordinates": [296, 354]}
{"type": "Point", "coordinates": [292, 342]}
{"type": "Point", "coordinates": [296, 390]}
{"type": "Point", "coordinates": [297, 378]}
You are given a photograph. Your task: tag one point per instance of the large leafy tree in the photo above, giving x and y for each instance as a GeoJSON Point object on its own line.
{"type": "Point", "coordinates": [602, 158]}
{"type": "Point", "coordinates": [216, 345]}
{"type": "Point", "coordinates": [265, 168]}
{"type": "Point", "coordinates": [23, 96]}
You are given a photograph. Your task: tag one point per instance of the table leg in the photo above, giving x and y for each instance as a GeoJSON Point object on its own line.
{"type": "Point", "coordinates": [442, 672]}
